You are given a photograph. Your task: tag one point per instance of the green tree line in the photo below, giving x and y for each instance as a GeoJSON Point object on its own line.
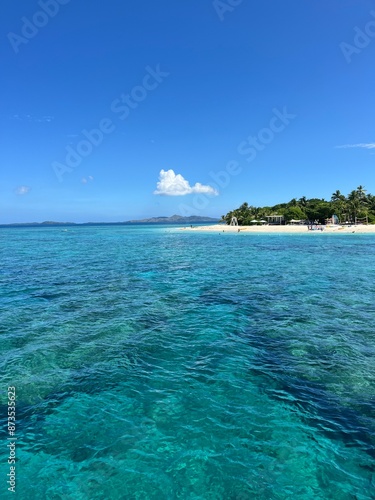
{"type": "Point", "coordinates": [357, 204]}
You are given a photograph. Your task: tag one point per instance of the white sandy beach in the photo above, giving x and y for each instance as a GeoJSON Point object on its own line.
{"type": "Point", "coordinates": [282, 229]}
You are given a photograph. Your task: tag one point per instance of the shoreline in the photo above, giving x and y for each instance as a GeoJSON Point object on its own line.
{"type": "Point", "coordinates": [220, 228]}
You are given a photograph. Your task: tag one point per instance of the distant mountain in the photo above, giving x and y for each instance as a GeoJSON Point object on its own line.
{"type": "Point", "coordinates": [45, 223]}
{"type": "Point", "coordinates": [174, 219]}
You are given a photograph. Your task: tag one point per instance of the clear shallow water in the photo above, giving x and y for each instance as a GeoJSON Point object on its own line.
{"type": "Point", "coordinates": [152, 363]}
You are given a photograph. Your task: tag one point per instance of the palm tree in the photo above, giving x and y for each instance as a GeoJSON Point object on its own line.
{"type": "Point", "coordinates": [302, 201]}
{"type": "Point", "coordinates": [362, 196]}
{"type": "Point", "coordinates": [336, 196]}
{"type": "Point", "coordinates": [370, 202]}
{"type": "Point", "coordinates": [354, 202]}
{"type": "Point", "coordinates": [361, 192]}
{"type": "Point", "coordinates": [363, 199]}
{"type": "Point", "coordinates": [339, 202]}
{"type": "Point", "coordinates": [242, 213]}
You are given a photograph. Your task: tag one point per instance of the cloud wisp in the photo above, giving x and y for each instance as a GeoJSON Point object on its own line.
{"type": "Point", "coordinates": [22, 190]}
{"type": "Point", "coordinates": [85, 180]}
{"type": "Point", "coordinates": [31, 118]}
{"type": "Point", "coordinates": [171, 184]}
{"type": "Point", "coordinates": [363, 145]}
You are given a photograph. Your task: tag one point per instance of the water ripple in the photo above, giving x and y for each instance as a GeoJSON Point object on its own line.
{"type": "Point", "coordinates": [175, 365]}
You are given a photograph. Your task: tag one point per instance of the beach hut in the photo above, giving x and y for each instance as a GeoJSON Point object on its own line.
{"type": "Point", "coordinates": [275, 219]}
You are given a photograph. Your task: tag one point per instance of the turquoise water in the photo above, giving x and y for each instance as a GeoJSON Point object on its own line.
{"type": "Point", "coordinates": [154, 363]}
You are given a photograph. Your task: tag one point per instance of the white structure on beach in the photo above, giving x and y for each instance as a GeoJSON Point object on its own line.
{"type": "Point", "coordinates": [234, 221]}
{"type": "Point", "coordinates": [334, 220]}
{"type": "Point", "coordinates": [275, 219]}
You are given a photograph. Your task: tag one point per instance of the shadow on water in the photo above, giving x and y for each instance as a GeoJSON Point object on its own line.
{"type": "Point", "coordinates": [281, 379]}
{"type": "Point", "coordinates": [88, 380]}
{"type": "Point", "coordinates": [281, 375]}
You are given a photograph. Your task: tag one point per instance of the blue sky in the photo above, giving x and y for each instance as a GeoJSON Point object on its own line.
{"type": "Point", "coordinates": [118, 110]}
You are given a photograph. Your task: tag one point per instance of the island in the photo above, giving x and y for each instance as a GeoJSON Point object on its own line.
{"type": "Point", "coordinates": [174, 219]}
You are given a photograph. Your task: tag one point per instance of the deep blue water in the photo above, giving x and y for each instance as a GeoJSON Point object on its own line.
{"type": "Point", "coordinates": [154, 363]}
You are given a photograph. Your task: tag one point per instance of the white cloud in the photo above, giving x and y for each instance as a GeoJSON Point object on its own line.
{"type": "Point", "coordinates": [364, 145]}
{"type": "Point", "coordinates": [21, 190]}
{"type": "Point", "coordinates": [171, 184]}
{"type": "Point", "coordinates": [47, 119]}
{"type": "Point", "coordinates": [85, 180]}
{"type": "Point", "coordinates": [31, 118]}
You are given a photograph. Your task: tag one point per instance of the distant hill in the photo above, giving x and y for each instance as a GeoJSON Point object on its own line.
{"type": "Point", "coordinates": [174, 219]}
{"type": "Point", "coordinates": [45, 223]}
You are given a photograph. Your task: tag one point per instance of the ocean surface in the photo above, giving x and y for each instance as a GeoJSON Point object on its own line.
{"type": "Point", "coordinates": [155, 363]}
